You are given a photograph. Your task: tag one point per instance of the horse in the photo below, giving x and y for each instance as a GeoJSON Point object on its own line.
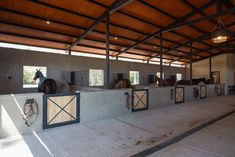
{"type": "Point", "coordinates": [123, 83]}
{"type": "Point", "coordinates": [166, 82]}
{"type": "Point", "coordinates": [45, 85]}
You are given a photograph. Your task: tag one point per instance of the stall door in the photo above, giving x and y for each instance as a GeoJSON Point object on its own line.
{"type": "Point", "coordinates": [179, 95]}
{"type": "Point", "coordinates": [140, 100]}
{"type": "Point", "coordinates": [60, 109]}
{"type": "Point", "coordinates": [203, 92]}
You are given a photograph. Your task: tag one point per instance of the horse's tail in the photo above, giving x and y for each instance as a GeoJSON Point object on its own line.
{"type": "Point", "coordinates": [49, 86]}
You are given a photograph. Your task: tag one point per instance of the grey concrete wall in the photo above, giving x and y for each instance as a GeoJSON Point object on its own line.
{"type": "Point", "coordinates": [103, 104]}
{"type": "Point", "coordinates": [95, 105]}
{"type": "Point", "coordinates": [11, 116]}
{"type": "Point", "coordinates": [161, 96]}
{"type": "Point", "coordinates": [223, 63]}
{"type": "Point", "coordinates": [12, 62]}
{"type": "Point", "coordinates": [188, 93]}
{"type": "Point", "coordinates": [230, 69]}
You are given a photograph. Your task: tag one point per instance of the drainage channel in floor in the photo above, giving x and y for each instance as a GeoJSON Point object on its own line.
{"type": "Point", "coordinates": [180, 137]}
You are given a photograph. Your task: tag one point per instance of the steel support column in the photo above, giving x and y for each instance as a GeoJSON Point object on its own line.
{"type": "Point", "coordinates": [191, 65]}
{"type": "Point", "coordinates": [161, 50]}
{"type": "Point", "coordinates": [210, 74]}
{"type": "Point", "coordinates": [107, 61]}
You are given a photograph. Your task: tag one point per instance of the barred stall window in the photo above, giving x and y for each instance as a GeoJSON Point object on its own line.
{"type": "Point", "coordinates": [179, 77]}
{"type": "Point", "coordinates": [28, 74]}
{"type": "Point", "coordinates": [158, 75]}
{"type": "Point", "coordinates": [134, 77]}
{"type": "Point", "coordinates": [96, 77]}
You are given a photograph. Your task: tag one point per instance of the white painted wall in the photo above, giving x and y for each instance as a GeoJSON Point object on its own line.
{"type": "Point", "coordinates": [12, 61]}
{"type": "Point", "coordinates": [225, 63]}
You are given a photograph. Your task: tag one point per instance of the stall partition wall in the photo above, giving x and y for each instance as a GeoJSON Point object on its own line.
{"type": "Point", "coordinates": [11, 120]}
{"type": "Point", "coordinates": [94, 106]}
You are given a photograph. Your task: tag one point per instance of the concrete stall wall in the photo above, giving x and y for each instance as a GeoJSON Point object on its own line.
{"type": "Point", "coordinates": [230, 80]}
{"type": "Point", "coordinates": [223, 63]}
{"type": "Point", "coordinates": [13, 60]}
{"type": "Point", "coordinates": [161, 97]}
{"type": "Point", "coordinates": [11, 114]}
{"type": "Point", "coordinates": [103, 104]}
{"type": "Point", "coordinates": [94, 106]}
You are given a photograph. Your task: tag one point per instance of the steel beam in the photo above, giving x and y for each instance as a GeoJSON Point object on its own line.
{"type": "Point", "coordinates": [214, 22]}
{"type": "Point", "coordinates": [213, 55]}
{"type": "Point", "coordinates": [213, 47]}
{"type": "Point", "coordinates": [210, 74]}
{"type": "Point", "coordinates": [219, 5]}
{"type": "Point", "coordinates": [107, 60]}
{"type": "Point", "coordinates": [73, 26]}
{"type": "Point", "coordinates": [116, 5]}
{"type": "Point", "coordinates": [191, 65]}
{"type": "Point", "coordinates": [143, 20]}
{"type": "Point", "coordinates": [72, 36]}
{"type": "Point", "coordinates": [173, 27]}
{"type": "Point", "coordinates": [161, 68]}
{"type": "Point", "coordinates": [169, 26]}
{"type": "Point", "coordinates": [185, 43]}
{"type": "Point", "coordinates": [175, 18]}
{"type": "Point", "coordinates": [68, 43]}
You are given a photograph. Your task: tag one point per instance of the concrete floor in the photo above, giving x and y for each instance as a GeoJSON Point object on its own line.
{"type": "Point", "coordinates": [130, 134]}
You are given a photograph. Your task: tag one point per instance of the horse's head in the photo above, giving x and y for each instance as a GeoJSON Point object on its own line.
{"type": "Point", "coordinates": [37, 74]}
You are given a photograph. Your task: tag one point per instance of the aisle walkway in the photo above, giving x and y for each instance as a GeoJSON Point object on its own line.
{"type": "Point", "coordinates": [217, 140]}
{"type": "Point", "coordinates": [130, 134]}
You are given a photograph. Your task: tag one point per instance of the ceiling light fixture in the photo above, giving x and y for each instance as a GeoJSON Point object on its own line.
{"type": "Point", "coordinates": [219, 33]}
{"type": "Point", "coordinates": [48, 22]}
{"type": "Point", "coordinates": [115, 38]}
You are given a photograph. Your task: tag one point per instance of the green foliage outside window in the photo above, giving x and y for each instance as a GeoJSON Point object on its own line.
{"type": "Point", "coordinates": [96, 77]}
{"type": "Point", "coordinates": [28, 74]}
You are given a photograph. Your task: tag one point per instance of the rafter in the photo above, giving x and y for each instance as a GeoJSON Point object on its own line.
{"type": "Point", "coordinates": [111, 24]}
{"type": "Point", "coordinates": [228, 25]}
{"type": "Point", "coordinates": [59, 42]}
{"type": "Point", "coordinates": [206, 50]}
{"type": "Point", "coordinates": [213, 55]}
{"type": "Point", "coordinates": [150, 23]}
{"type": "Point", "coordinates": [197, 20]}
{"type": "Point", "coordinates": [87, 38]}
{"type": "Point", "coordinates": [175, 18]}
{"type": "Point", "coordinates": [116, 5]}
{"type": "Point", "coordinates": [179, 21]}
{"type": "Point", "coordinates": [214, 22]}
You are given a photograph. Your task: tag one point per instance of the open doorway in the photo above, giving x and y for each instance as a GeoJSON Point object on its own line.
{"type": "Point", "coordinates": [216, 77]}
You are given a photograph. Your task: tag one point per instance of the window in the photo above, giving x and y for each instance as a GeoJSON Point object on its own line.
{"type": "Point", "coordinates": [134, 77]}
{"type": "Point", "coordinates": [96, 77]}
{"type": "Point", "coordinates": [158, 75]}
{"type": "Point", "coordinates": [178, 76]}
{"type": "Point", "coordinates": [28, 74]}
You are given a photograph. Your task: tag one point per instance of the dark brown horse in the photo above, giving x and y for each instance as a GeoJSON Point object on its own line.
{"type": "Point", "coordinates": [123, 83]}
{"type": "Point", "coordinates": [48, 86]}
{"type": "Point", "coordinates": [166, 82]}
